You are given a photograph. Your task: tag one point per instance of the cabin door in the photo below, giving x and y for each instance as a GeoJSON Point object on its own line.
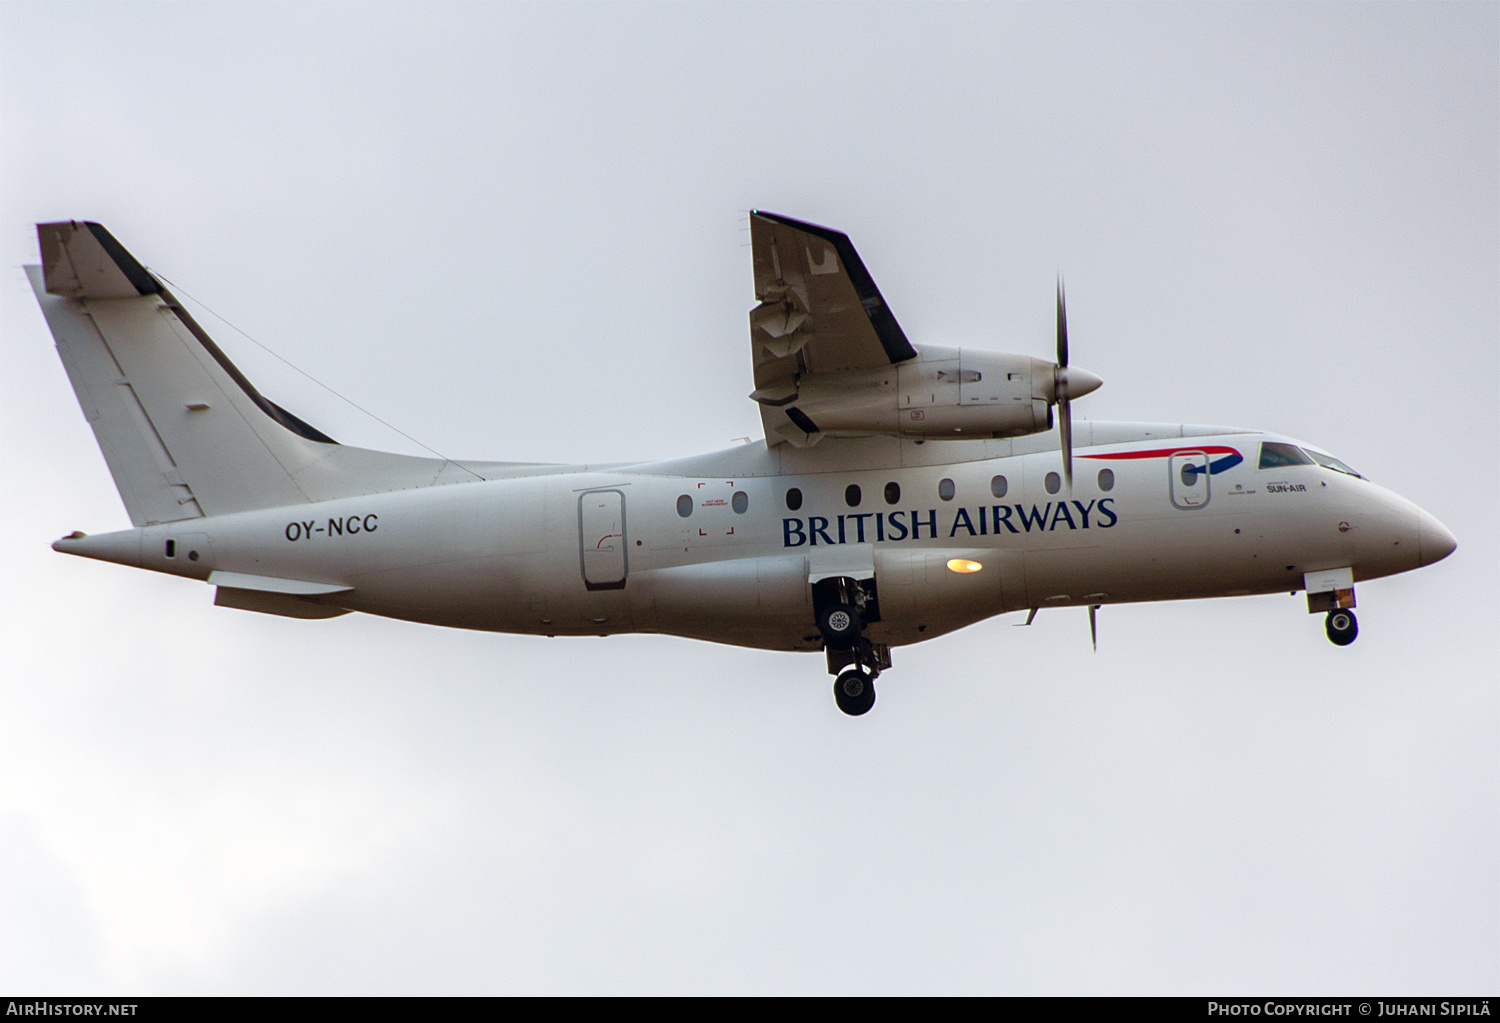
{"type": "Point", "coordinates": [601, 539]}
{"type": "Point", "coordinates": [1189, 479]}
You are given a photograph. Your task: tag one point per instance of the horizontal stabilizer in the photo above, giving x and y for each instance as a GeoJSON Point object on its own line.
{"type": "Point", "coordinates": [269, 584]}
{"type": "Point", "coordinates": [287, 605]}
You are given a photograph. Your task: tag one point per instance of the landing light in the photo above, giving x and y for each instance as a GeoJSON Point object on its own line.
{"type": "Point", "coordinates": [963, 565]}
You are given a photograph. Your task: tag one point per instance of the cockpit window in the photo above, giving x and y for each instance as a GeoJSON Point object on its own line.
{"type": "Point", "coordinates": [1329, 462]}
{"type": "Point", "coordinates": [1275, 455]}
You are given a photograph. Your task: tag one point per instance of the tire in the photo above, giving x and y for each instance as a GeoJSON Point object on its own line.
{"type": "Point", "coordinates": [840, 625]}
{"type": "Point", "coordinates": [854, 692]}
{"type": "Point", "coordinates": [1342, 627]}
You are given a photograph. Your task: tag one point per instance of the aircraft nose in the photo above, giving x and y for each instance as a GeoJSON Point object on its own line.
{"type": "Point", "coordinates": [1434, 541]}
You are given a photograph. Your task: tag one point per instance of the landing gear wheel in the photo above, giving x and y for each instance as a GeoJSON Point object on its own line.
{"type": "Point", "coordinates": [854, 692]}
{"type": "Point", "coordinates": [840, 625]}
{"type": "Point", "coordinates": [1341, 627]}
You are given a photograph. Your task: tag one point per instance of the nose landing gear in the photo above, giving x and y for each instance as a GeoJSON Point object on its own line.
{"type": "Point", "coordinates": [1333, 592]}
{"type": "Point", "coordinates": [1341, 626]}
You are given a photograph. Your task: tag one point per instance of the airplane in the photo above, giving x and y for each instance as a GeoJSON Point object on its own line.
{"type": "Point", "coordinates": [901, 491]}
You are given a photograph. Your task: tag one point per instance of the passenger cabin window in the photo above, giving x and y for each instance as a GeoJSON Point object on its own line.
{"type": "Point", "coordinates": [946, 489]}
{"type": "Point", "coordinates": [1053, 482]}
{"type": "Point", "coordinates": [1106, 479]}
{"type": "Point", "coordinates": [684, 506]}
{"type": "Point", "coordinates": [739, 502]}
{"type": "Point", "coordinates": [852, 495]}
{"type": "Point", "coordinates": [793, 499]}
{"type": "Point", "coordinates": [1275, 455]}
{"type": "Point", "coordinates": [171, 549]}
{"type": "Point", "coordinates": [999, 486]}
{"type": "Point", "coordinates": [892, 492]}
{"type": "Point", "coordinates": [1329, 462]}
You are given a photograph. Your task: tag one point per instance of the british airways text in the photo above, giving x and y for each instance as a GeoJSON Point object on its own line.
{"type": "Point", "coordinates": [867, 527]}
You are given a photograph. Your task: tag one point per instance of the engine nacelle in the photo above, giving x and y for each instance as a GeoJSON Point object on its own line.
{"type": "Point", "coordinates": [944, 393]}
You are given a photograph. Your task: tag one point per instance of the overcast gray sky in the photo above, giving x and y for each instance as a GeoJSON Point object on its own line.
{"type": "Point", "coordinates": [518, 232]}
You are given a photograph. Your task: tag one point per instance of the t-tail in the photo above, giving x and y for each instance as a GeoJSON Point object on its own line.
{"type": "Point", "coordinates": [184, 433]}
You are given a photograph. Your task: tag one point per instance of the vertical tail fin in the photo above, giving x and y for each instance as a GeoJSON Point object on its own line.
{"type": "Point", "coordinates": [184, 433]}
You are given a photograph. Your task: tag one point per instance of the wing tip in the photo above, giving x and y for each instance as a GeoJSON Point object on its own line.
{"type": "Point", "coordinates": [801, 225]}
{"type": "Point", "coordinates": [54, 239]}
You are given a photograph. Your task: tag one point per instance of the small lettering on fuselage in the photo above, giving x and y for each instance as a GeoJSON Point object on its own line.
{"type": "Point", "coordinates": [343, 525]}
{"type": "Point", "coordinates": [894, 526]}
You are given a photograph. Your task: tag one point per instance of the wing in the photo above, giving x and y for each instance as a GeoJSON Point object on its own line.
{"type": "Point", "coordinates": [820, 312]}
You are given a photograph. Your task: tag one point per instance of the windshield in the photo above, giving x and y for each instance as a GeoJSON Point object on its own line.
{"type": "Point", "coordinates": [1275, 455]}
{"type": "Point", "coordinates": [1329, 462]}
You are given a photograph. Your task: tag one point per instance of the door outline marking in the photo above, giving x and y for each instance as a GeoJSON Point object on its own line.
{"type": "Point", "coordinates": [583, 543]}
{"type": "Point", "coordinates": [1204, 472]}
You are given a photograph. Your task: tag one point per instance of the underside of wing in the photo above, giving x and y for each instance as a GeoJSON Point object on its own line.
{"type": "Point", "coordinates": [819, 313]}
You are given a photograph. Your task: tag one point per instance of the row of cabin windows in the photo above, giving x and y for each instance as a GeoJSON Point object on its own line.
{"type": "Point", "coordinates": [999, 487]}
{"type": "Point", "coordinates": [1273, 455]}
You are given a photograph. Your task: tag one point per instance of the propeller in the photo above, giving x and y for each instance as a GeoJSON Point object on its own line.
{"type": "Point", "coordinates": [1067, 384]}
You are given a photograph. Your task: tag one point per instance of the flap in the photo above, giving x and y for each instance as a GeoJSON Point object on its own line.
{"type": "Point", "coordinates": [816, 297]}
{"type": "Point", "coordinates": [819, 312]}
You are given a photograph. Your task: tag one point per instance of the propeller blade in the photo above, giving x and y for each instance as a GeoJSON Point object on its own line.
{"type": "Point", "coordinates": [1060, 386]}
{"type": "Point", "coordinates": [1062, 325]}
{"type": "Point", "coordinates": [1094, 626]}
{"type": "Point", "coordinates": [1065, 433]}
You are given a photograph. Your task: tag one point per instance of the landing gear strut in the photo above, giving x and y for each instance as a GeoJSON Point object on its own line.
{"type": "Point", "coordinates": [1341, 626]}
{"type": "Point", "coordinates": [843, 607]}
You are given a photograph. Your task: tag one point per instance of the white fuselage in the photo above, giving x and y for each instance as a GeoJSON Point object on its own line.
{"type": "Point", "coordinates": [567, 551]}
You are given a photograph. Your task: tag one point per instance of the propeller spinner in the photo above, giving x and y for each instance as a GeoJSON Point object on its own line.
{"type": "Point", "coordinates": [1067, 384]}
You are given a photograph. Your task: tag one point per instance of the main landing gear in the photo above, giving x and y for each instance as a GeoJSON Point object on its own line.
{"type": "Point", "coordinates": [854, 692]}
{"type": "Point", "coordinates": [840, 625]}
{"type": "Point", "coordinates": [1341, 626]}
{"type": "Point", "coordinates": [842, 608]}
